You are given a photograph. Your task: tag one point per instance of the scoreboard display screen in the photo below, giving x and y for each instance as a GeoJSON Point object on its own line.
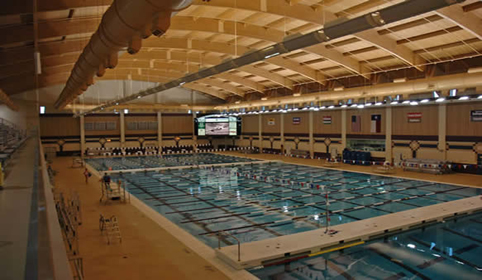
{"type": "Point", "coordinates": [217, 125]}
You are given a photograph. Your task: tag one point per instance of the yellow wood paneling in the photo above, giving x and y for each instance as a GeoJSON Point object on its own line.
{"type": "Point", "coordinates": [458, 120]}
{"type": "Point", "coordinates": [428, 125]}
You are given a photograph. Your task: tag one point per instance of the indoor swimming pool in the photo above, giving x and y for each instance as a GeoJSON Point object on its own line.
{"type": "Point", "coordinates": [264, 200]}
{"type": "Point", "coordinates": [449, 250]}
{"type": "Point", "coordinates": [141, 162]}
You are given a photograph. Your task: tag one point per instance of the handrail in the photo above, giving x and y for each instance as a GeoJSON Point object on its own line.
{"type": "Point", "coordinates": [229, 234]}
{"type": "Point", "coordinates": [60, 261]}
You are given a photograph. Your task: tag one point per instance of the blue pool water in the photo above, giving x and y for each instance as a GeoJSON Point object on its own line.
{"type": "Point", "coordinates": [124, 163]}
{"type": "Point", "coordinates": [264, 200]}
{"type": "Point", "coordinates": [449, 250]}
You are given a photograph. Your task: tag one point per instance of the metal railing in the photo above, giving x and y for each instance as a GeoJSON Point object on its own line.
{"type": "Point", "coordinates": [221, 233]}
{"type": "Point", "coordinates": [78, 265]}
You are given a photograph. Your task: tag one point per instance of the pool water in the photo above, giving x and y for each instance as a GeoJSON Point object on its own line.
{"type": "Point", "coordinates": [125, 163]}
{"type": "Point", "coordinates": [449, 250]}
{"type": "Point", "coordinates": [265, 200]}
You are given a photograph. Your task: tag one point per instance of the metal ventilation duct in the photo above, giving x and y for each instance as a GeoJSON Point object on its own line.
{"type": "Point", "coordinates": [122, 28]}
{"type": "Point", "coordinates": [441, 83]}
{"type": "Point", "coordinates": [332, 30]}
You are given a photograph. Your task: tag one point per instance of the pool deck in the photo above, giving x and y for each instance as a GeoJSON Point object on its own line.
{"type": "Point", "coordinates": [261, 252]}
{"type": "Point", "coordinates": [154, 250]}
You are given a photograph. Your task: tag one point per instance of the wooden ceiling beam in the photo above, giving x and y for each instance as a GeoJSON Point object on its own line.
{"type": "Point", "coordinates": [25, 6]}
{"type": "Point", "coordinates": [206, 90]}
{"type": "Point", "coordinates": [468, 21]}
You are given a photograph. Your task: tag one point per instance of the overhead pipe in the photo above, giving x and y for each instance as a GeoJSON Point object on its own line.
{"type": "Point", "coordinates": [331, 30]}
{"type": "Point", "coordinates": [122, 28]}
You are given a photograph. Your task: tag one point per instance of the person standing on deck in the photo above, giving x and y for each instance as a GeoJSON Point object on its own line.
{"type": "Point", "coordinates": [106, 179]}
{"type": "Point", "coordinates": [87, 175]}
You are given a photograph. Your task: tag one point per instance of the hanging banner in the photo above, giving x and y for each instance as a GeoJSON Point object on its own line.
{"type": "Point", "coordinates": [414, 117]}
{"type": "Point", "coordinates": [376, 124]}
{"type": "Point", "coordinates": [327, 120]}
{"type": "Point", "coordinates": [271, 121]}
{"type": "Point", "coordinates": [356, 123]}
{"type": "Point", "coordinates": [296, 120]}
{"type": "Point", "coordinates": [476, 116]}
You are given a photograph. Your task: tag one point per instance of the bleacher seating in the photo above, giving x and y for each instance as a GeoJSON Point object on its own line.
{"type": "Point", "coordinates": [299, 153]}
{"type": "Point", "coordinates": [425, 165]}
{"type": "Point", "coordinates": [11, 138]}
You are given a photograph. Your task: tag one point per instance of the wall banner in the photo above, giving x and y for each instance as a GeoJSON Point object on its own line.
{"type": "Point", "coordinates": [327, 120]}
{"type": "Point", "coordinates": [271, 121]}
{"type": "Point", "coordinates": [414, 117]}
{"type": "Point", "coordinates": [476, 116]}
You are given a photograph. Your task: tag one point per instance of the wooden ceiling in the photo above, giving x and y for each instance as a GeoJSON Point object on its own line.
{"type": "Point", "coordinates": [210, 31]}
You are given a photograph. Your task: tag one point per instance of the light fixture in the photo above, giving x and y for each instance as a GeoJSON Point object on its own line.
{"type": "Point", "coordinates": [474, 70]}
{"type": "Point", "coordinates": [361, 106]}
{"type": "Point", "coordinates": [441, 99]}
{"type": "Point", "coordinates": [318, 109]}
{"type": "Point", "coordinates": [394, 102]}
{"type": "Point", "coordinates": [297, 94]}
{"type": "Point", "coordinates": [344, 106]}
{"type": "Point", "coordinates": [339, 88]}
{"type": "Point", "coordinates": [138, 96]}
{"type": "Point", "coordinates": [480, 97]}
{"type": "Point", "coordinates": [368, 104]}
{"type": "Point", "coordinates": [237, 102]}
{"type": "Point", "coordinates": [271, 55]}
{"type": "Point", "coordinates": [353, 105]}
{"type": "Point", "coordinates": [406, 102]}
{"type": "Point", "coordinates": [424, 101]}
{"type": "Point", "coordinates": [117, 103]}
{"type": "Point", "coordinates": [305, 108]}
{"type": "Point", "coordinates": [189, 111]}
{"type": "Point", "coordinates": [331, 107]}
{"type": "Point", "coordinates": [182, 83]}
{"type": "Point", "coordinates": [42, 110]}
{"type": "Point", "coordinates": [264, 98]}
{"type": "Point", "coordinates": [400, 80]}
{"type": "Point", "coordinates": [284, 111]}
{"type": "Point", "coordinates": [464, 98]}
{"type": "Point", "coordinates": [414, 103]}
{"type": "Point", "coordinates": [378, 103]}
{"type": "Point", "coordinates": [126, 111]}
{"type": "Point", "coordinates": [323, 107]}
{"type": "Point", "coordinates": [295, 109]}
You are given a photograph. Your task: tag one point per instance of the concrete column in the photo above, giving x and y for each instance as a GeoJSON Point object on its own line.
{"type": "Point", "coordinates": [122, 129]}
{"type": "Point", "coordinates": [388, 134]}
{"type": "Point", "coordinates": [159, 129]}
{"type": "Point", "coordinates": [194, 136]}
{"type": "Point", "coordinates": [442, 130]}
{"type": "Point", "coordinates": [343, 130]}
{"type": "Point", "coordinates": [312, 139]}
{"type": "Point", "coordinates": [282, 130]}
{"type": "Point", "coordinates": [260, 134]}
{"type": "Point", "coordinates": [82, 136]}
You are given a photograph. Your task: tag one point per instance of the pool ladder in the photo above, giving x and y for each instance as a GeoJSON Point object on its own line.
{"type": "Point", "coordinates": [224, 233]}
